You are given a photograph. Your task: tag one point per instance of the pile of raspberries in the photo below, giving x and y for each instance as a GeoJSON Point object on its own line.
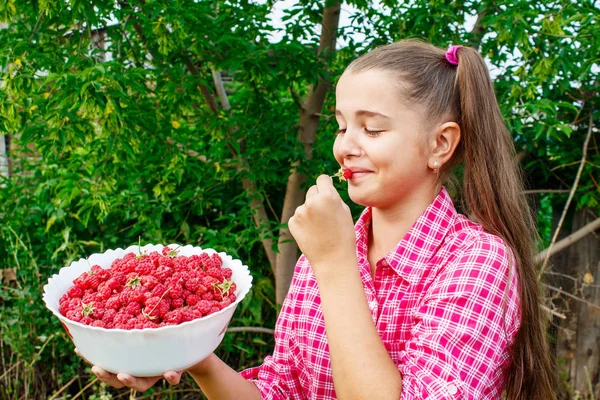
{"type": "Point", "coordinates": [149, 290]}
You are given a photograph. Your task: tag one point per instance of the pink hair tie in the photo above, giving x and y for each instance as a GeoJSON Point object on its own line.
{"type": "Point", "coordinates": [451, 55]}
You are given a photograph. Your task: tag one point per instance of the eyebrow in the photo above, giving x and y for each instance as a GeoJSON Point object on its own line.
{"type": "Point", "coordinates": [365, 113]}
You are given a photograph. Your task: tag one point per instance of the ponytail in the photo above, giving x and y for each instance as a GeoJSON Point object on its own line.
{"type": "Point", "coordinates": [493, 193]}
{"type": "Point", "coordinates": [460, 88]}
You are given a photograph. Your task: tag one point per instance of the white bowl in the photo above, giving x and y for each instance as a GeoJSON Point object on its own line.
{"type": "Point", "coordinates": [151, 351]}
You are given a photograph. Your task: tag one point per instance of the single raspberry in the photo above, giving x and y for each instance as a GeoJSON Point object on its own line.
{"type": "Point", "coordinates": [201, 290]}
{"type": "Point", "coordinates": [162, 273]}
{"type": "Point", "coordinates": [347, 174]}
{"type": "Point", "coordinates": [159, 290]}
{"type": "Point", "coordinates": [192, 299]}
{"type": "Point", "coordinates": [92, 281]}
{"type": "Point", "coordinates": [215, 272]}
{"type": "Point", "coordinates": [187, 314]}
{"type": "Point", "coordinates": [75, 291]}
{"type": "Point", "coordinates": [175, 291]}
{"type": "Point", "coordinates": [99, 323]}
{"type": "Point", "coordinates": [176, 303]}
{"type": "Point", "coordinates": [134, 308]}
{"type": "Point", "coordinates": [74, 315]}
{"type": "Point", "coordinates": [104, 292]}
{"type": "Point", "coordinates": [121, 318]}
{"type": "Point", "coordinates": [207, 296]}
{"type": "Point", "coordinates": [192, 284]}
{"type": "Point", "coordinates": [209, 281]}
{"type": "Point", "coordinates": [204, 306]}
{"type": "Point", "coordinates": [99, 311]}
{"type": "Point", "coordinates": [109, 315]}
{"type": "Point", "coordinates": [138, 295]}
{"type": "Point", "coordinates": [216, 260]}
{"type": "Point", "coordinates": [86, 320]}
{"type": "Point", "coordinates": [173, 316]}
{"type": "Point", "coordinates": [214, 309]}
{"type": "Point", "coordinates": [149, 281]}
{"type": "Point", "coordinates": [226, 272]}
{"type": "Point", "coordinates": [114, 302]}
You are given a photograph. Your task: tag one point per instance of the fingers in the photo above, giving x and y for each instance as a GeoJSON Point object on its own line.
{"type": "Point", "coordinates": [173, 377]}
{"type": "Point", "coordinates": [325, 185]}
{"type": "Point", "coordinates": [139, 384]}
{"type": "Point", "coordinates": [107, 377]}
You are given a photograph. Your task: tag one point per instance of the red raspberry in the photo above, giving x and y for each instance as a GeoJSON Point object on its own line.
{"type": "Point", "coordinates": [208, 296]}
{"type": "Point", "coordinates": [75, 291]}
{"type": "Point", "coordinates": [109, 315]}
{"type": "Point", "coordinates": [209, 281]}
{"type": "Point", "coordinates": [92, 282]}
{"type": "Point", "coordinates": [99, 311]}
{"type": "Point", "coordinates": [159, 290]}
{"type": "Point", "coordinates": [165, 250]}
{"type": "Point", "coordinates": [226, 272]}
{"type": "Point", "coordinates": [204, 306]}
{"type": "Point", "coordinates": [176, 303]}
{"type": "Point", "coordinates": [64, 308]}
{"type": "Point", "coordinates": [89, 298]}
{"type": "Point", "coordinates": [113, 283]}
{"type": "Point", "coordinates": [121, 326]}
{"type": "Point", "coordinates": [201, 290]}
{"type": "Point", "coordinates": [187, 314]}
{"type": "Point", "coordinates": [173, 316]}
{"type": "Point", "coordinates": [99, 323]}
{"type": "Point", "coordinates": [217, 261]}
{"type": "Point", "coordinates": [134, 308]}
{"type": "Point", "coordinates": [226, 302]}
{"type": "Point", "coordinates": [149, 282]}
{"type": "Point", "coordinates": [74, 315]}
{"type": "Point", "coordinates": [166, 261]}
{"type": "Point", "coordinates": [163, 273]}
{"type": "Point", "coordinates": [138, 295]}
{"type": "Point", "coordinates": [145, 267]}
{"type": "Point", "coordinates": [104, 292]}
{"type": "Point", "coordinates": [214, 309]}
{"type": "Point", "coordinates": [175, 291]}
{"type": "Point", "coordinates": [215, 272]}
{"type": "Point", "coordinates": [192, 284]}
{"type": "Point", "coordinates": [192, 299]}
{"type": "Point", "coordinates": [149, 324]}
{"type": "Point", "coordinates": [86, 320]}
{"type": "Point", "coordinates": [114, 302]}
{"type": "Point", "coordinates": [163, 307]}
{"type": "Point", "coordinates": [121, 318]}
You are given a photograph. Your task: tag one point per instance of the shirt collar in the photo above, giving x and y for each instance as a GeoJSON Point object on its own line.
{"type": "Point", "coordinates": [410, 256]}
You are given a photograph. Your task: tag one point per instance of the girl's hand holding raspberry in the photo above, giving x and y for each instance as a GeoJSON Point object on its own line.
{"type": "Point", "coordinates": [323, 227]}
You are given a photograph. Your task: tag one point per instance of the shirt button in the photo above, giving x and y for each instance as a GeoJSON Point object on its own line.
{"type": "Point", "coordinates": [452, 389]}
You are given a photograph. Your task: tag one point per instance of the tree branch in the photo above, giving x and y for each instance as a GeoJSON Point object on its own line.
{"type": "Point", "coordinates": [256, 329]}
{"type": "Point", "coordinates": [568, 241]}
{"type": "Point", "coordinates": [573, 189]}
{"type": "Point", "coordinates": [558, 290]}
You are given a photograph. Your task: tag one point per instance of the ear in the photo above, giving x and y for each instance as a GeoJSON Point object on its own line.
{"type": "Point", "coordinates": [443, 143]}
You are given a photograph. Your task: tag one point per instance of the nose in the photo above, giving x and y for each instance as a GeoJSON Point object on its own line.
{"type": "Point", "coordinates": [347, 144]}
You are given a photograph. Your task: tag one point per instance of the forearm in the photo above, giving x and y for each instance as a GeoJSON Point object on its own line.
{"type": "Point", "coordinates": [220, 382]}
{"type": "Point", "coordinates": [362, 367]}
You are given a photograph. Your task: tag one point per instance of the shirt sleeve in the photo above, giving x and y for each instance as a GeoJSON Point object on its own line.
{"type": "Point", "coordinates": [459, 346]}
{"type": "Point", "coordinates": [276, 378]}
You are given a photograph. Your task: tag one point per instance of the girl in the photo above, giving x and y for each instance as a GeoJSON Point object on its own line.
{"type": "Point", "coordinates": [415, 301]}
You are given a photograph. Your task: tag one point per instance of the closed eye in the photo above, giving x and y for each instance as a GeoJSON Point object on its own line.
{"type": "Point", "coordinates": [372, 133]}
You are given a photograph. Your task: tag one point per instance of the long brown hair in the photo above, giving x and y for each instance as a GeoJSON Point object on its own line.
{"type": "Point", "coordinates": [492, 185]}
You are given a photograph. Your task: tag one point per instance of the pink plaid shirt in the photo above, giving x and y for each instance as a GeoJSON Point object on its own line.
{"type": "Point", "coordinates": [440, 303]}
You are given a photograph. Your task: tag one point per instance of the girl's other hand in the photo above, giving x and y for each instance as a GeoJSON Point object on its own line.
{"type": "Point", "coordinates": [122, 379]}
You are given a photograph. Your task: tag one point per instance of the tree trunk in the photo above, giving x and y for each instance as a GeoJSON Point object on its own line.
{"type": "Point", "coordinates": [307, 129]}
{"type": "Point", "coordinates": [578, 338]}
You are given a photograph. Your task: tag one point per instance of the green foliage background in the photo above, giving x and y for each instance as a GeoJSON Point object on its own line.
{"type": "Point", "coordinates": [106, 153]}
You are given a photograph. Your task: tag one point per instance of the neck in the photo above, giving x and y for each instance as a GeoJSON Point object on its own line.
{"type": "Point", "coordinates": [389, 225]}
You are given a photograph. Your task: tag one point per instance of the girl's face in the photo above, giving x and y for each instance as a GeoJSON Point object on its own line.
{"type": "Point", "coordinates": [381, 140]}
